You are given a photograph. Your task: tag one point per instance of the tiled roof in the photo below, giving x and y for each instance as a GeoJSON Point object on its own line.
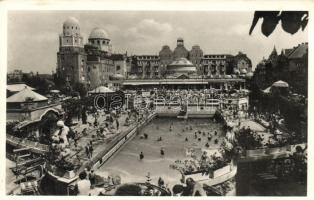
{"type": "Point", "coordinates": [299, 51]}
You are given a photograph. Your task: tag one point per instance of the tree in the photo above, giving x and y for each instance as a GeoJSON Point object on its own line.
{"type": "Point", "coordinates": [81, 88]}
{"type": "Point", "coordinates": [291, 21]}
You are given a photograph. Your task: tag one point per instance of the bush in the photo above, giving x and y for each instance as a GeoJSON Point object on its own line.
{"type": "Point", "coordinates": [128, 190]}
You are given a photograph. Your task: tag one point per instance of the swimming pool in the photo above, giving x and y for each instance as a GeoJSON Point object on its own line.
{"type": "Point", "coordinates": [126, 162]}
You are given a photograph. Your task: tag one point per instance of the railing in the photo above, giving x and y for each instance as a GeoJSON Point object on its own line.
{"type": "Point", "coordinates": [35, 147]}
{"type": "Point", "coordinates": [268, 153]}
{"type": "Point", "coordinates": [215, 177]}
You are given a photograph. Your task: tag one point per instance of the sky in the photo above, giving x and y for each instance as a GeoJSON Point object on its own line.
{"type": "Point", "coordinates": [33, 36]}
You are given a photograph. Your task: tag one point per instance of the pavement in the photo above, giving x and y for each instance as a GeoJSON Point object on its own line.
{"type": "Point", "coordinates": [98, 144]}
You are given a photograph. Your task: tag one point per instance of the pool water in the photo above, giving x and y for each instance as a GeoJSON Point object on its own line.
{"type": "Point", "coordinates": [126, 162]}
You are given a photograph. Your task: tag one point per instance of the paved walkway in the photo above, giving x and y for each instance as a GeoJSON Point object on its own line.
{"type": "Point", "coordinates": [98, 143]}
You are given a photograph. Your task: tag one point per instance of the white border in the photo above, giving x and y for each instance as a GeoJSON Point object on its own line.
{"type": "Point", "coordinates": [157, 5]}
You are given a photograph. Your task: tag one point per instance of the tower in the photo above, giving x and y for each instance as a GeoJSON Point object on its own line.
{"type": "Point", "coordinates": [180, 42]}
{"type": "Point", "coordinates": [273, 56]}
{"type": "Point", "coordinates": [180, 51]}
{"type": "Point", "coordinates": [71, 57]}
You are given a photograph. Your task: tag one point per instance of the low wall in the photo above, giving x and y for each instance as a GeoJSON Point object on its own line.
{"type": "Point", "coordinates": [218, 176]}
{"type": "Point", "coordinates": [192, 111]}
{"type": "Point", "coordinates": [34, 147]}
{"type": "Point", "coordinates": [103, 156]}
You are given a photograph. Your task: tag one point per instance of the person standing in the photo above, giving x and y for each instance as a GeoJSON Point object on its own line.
{"type": "Point", "coordinates": [83, 185]}
{"type": "Point", "coordinates": [92, 177]}
{"type": "Point", "coordinates": [117, 124]}
{"type": "Point", "coordinates": [161, 182]}
{"type": "Point", "coordinates": [87, 151]}
{"type": "Point", "coordinates": [91, 149]}
{"type": "Point", "coordinates": [84, 116]}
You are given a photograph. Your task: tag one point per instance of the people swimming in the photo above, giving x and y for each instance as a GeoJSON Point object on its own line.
{"type": "Point", "coordinates": [159, 139]}
{"type": "Point", "coordinates": [162, 152]}
{"type": "Point", "coordinates": [141, 156]}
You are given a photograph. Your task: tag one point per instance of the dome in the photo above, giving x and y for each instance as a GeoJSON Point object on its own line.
{"type": "Point", "coordinates": [71, 22]}
{"type": "Point", "coordinates": [181, 65]}
{"type": "Point", "coordinates": [181, 62]}
{"type": "Point", "coordinates": [71, 27]}
{"type": "Point", "coordinates": [180, 39]}
{"type": "Point", "coordinates": [98, 33]}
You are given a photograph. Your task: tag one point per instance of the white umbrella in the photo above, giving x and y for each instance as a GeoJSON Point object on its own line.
{"type": "Point", "coordinates": [280, 84]}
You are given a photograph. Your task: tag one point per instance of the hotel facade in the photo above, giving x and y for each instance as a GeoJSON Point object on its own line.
{"type": "Point", "coordinates": [94, 64]}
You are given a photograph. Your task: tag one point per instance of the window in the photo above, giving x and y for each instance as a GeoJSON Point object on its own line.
{"type": "Point", "coordinates": [72, 27]}
{"type": "Point", "coordinates": [118, 68]}
{"type": "Point", "coordinates": [103, 42]}
{"type": "Point", "coordinates": [98, 41]}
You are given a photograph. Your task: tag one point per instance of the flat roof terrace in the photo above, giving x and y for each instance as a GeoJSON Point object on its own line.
{"type": "Point", "coordinates": [180, 81]}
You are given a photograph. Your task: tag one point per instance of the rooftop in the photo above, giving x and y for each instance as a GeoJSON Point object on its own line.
{"type": "Point", "coordinates": [25, 95]}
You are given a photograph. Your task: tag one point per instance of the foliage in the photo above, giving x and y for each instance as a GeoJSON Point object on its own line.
{"type": "Point", "coordinates": [81, 89]}
{"type": "Point", "coordinates": [128, 190]}
{"type": "Point", "coordinates": [291, 21]}
{"type": "Point", "coordinates": [247, 139]}
{"type": "Point", "coordinates": [42, 84]}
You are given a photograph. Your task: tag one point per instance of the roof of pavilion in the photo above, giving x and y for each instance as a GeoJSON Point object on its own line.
{"type": "Point", "coordinates": [25, 95]}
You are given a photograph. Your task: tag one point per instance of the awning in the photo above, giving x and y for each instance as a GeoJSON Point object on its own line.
{"type": "Point", "coordinates": [41, 114]}
{"type": "Point", "coordinates": [18, 87]}
{"type": "Point", "coordinates": [100, 89]}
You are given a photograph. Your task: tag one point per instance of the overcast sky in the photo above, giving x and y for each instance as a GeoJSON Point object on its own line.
{"type": "Point", "coordinates": [33, 36]}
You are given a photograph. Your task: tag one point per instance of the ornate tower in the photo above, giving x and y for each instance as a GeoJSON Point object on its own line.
{"type": "Point", "coordinates": [180, 51]}
{"type": "Point", "coordinates": [71, 66]}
